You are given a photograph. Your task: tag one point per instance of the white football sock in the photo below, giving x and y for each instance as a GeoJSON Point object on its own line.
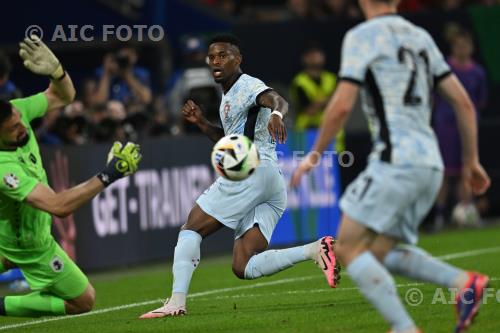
{"type": "Point", "coordinates": [272, 261]}
{"type": "Point", "coordinates": [378, 287]}
{"type": "Point", "coordinates": [415, 263]}
{"type": "Point", "coordinates": [186, 259]}
{"type": "Point", "coordinates": [311, 250]}
{"type": "Point", "coordinates": [178, 299]}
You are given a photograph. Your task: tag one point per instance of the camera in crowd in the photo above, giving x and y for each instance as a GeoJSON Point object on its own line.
{"type": "Point", "coordinates": [122, 60]}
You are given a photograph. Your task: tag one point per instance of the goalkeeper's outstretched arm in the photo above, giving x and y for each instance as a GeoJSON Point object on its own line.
{"type": "Point", "coordinates": [60, 92]}
{"type": "Point", "coordinates": [66, 202]}
{"type": "Point", "coordinates": [122, 162]}
{"type": "Point", "coordinates": [39, 59]}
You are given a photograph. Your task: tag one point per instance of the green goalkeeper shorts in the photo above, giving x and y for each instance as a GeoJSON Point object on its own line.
{"type": "Point", "coordinates": [55, 272]}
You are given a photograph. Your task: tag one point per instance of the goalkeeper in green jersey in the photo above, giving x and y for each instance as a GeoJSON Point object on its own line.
{"type": "Point", "coordinates": [27, 202]}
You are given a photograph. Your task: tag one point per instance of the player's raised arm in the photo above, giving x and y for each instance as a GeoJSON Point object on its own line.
{"type": "Point", "coordinates": [39, 59]}
{"type": "Point", "coordinates": [193, 114]}
{"type": "Point", "coordinates": [272, 100]}
{"type": "Point", "coordinates": [473, 173]}
{"type": "Point", "coordinates": [122, 162]}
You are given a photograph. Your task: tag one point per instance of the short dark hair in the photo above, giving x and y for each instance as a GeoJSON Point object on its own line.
{"type": "Point", "coordinates": [226, 38]}
{"type": "Point", "coordinates": [130, 44]}
{"type": "Point", "coordinates": [5, 65]}
{"type": "Point", "coordinates": [5, 111]}
{"type": "Point", "coordinates": [312, 47]}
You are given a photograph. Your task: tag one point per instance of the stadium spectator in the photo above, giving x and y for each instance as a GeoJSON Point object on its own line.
{"type": "Point", "coordinates": [72, 125]}
{"type": "Point", "coordinates": [473, 77]}
{"type": "Point", "coordinates": [78, 125]}
{"type": "Point", "coordinates": [65, 126]}
{"type": "Point", "coordinates": [226, 6]}
{"type": "Point", "coordinates": [109, 130]}
{"type": "Point", "coordinates": [8, 89]}
{"type": "Point", "coordinates": [116, 110]}
{"type": "Point", "coordinates": [490, 2]}
{"type": "Point", "coordinates": [310, 91]}
{"type": "Point", "coordinates": [411, 5]}
{"type": "Point", "coordinates": [109, 123]}
{"type": "Point", "coordinates": [299, 9]}
{"type": "Point", "coordinates": [45, 129]}
{"type": "Point", "coordinates": [341, 8]}
{"type": "Point", "coordinates": [162, 121]}
{"type": "Point", "coordinates": [194, 81]}
{"type": "Point", "coordinates": [88, 87]}
{"type": "Point", "coordinates": [120, 79]}
{"type": "Point", "coordinates": [336, 8]}
{"type": "Point", "coordinates": [451, 4]}
{"type": "Point", "coordinates": [319, 9]}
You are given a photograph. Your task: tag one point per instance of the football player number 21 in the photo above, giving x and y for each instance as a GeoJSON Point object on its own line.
{"type": "Point", "coordinates": [411, 59]}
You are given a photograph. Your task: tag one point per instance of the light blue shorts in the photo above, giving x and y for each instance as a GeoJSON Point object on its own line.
{"type": "Point", "coordinates": [391, 199]}
{"type": "Point", "coordinates": [240, 205]}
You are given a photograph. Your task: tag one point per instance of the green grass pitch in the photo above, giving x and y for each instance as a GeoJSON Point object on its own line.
{"type": "Point", "coordinates": [297, 300]}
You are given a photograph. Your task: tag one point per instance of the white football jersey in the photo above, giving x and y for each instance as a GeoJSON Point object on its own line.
{"type": "Point", "coordinates": [240, 114]}
{"type": "Point", "coordinates": [397, 64]}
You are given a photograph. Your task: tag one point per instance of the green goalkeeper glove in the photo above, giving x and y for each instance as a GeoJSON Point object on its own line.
{"type": "Point", "coordinates": [39, 59]}
{"type": "Point", "coordinates": [122, 162]}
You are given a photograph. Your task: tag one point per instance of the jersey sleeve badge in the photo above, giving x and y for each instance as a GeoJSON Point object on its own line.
{"type": "Point", "coordinates": [227, 108]}
{"type": "Point", "coordinates": [11, 180]}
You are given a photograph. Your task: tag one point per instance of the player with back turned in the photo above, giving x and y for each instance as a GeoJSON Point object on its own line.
{"type": "Point", "coordinates": [395, 65]}
{"type": "Point", "coordinates": [251, 207]}
{"type": "Point", "coordinates": [26, 201]}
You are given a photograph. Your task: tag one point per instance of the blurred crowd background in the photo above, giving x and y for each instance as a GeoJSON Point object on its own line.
{"type": "Point", "coordinates": [118, 98]}
{"type": "Point", "coordinates": [322, 9]}
{"type": "Point", "coordinates": [133, 90]}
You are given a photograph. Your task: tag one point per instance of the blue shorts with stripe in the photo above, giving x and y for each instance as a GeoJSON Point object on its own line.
{"type": "Point", "coordinates": [392, 199]}
{"type": "Point", "coordinates": [258, 200]}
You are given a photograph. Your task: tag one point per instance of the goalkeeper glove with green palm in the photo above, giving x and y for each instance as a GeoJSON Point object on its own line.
{"type": "Point", "coordinates": [39, 59]}
{"type": "Point", "coordinates": [122, 162]}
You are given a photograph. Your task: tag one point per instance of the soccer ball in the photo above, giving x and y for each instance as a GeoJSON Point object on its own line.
{"type": "Point", "coordinates": [465, 215]}
{"type": "Point", "coordinates": [235, 157]}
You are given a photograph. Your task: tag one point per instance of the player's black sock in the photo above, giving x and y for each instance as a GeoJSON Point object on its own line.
{"type": "Point", "coordinates": [2, 306]}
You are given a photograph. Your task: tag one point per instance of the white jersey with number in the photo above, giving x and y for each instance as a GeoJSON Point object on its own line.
{"type": "Point", "coordinates": [397, 64]}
